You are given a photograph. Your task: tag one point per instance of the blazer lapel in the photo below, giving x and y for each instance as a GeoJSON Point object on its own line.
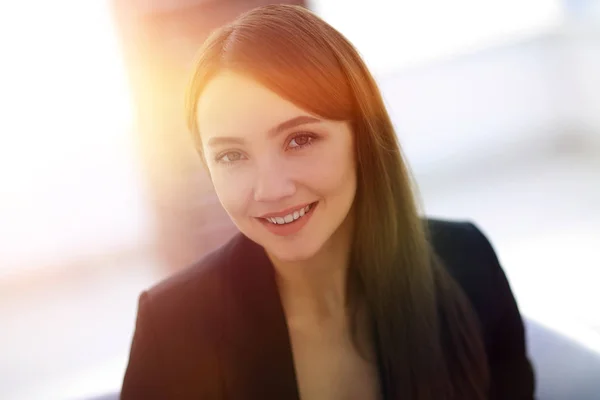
{"type": "Point", "coordinates": [259, 362]}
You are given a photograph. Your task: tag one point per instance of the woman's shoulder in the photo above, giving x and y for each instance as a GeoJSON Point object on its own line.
{"type": "Point", "coordinates": [197, 288]}
{"type": "Point", "coordinates": [470, 259]}
{"type": "Point", "coordinates": [463, 247]}
{"type": "Point", "coordinates": [465, 250]}
{"type": "Point", "coordinates": [177, 330]}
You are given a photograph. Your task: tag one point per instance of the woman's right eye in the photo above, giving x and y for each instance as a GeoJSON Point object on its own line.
{"type": "Point", "coordinates": [229, 157]}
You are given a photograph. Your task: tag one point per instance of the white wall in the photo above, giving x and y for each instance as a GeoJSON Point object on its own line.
{"type": "Point", "coordinates": [396, 34]}
{"type": "Point", "coordinates": [475, 105]}
{"type": "Point", "coordinates": [467, 80]}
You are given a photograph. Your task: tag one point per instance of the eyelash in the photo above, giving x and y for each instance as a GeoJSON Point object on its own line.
{"type": "Point", "coordinates": [311, 138]}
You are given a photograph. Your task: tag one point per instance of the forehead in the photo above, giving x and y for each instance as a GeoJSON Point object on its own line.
{"type": "Point", "coordinates": [232, 104]}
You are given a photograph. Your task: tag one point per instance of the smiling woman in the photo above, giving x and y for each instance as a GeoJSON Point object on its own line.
{"type": "Point", "coordinates": [335, 288]}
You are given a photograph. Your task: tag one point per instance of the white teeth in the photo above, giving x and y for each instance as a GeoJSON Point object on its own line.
{"type": "Point", "coordinates": [290, 217]}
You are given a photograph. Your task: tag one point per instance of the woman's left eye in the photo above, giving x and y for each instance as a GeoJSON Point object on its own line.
{"type": "Point", "coordinates": [300, 141]}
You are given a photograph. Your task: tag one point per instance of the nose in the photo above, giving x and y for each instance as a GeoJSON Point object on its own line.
{"type": "Point", "coordinates": [272, 182]}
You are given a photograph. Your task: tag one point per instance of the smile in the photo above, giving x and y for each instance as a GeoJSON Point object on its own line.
{"type": "Point", "coordinates": [290, 223]}
{"type": "Point", "coordinates": [291, 217]}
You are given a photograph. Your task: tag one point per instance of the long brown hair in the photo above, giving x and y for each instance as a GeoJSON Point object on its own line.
{"type": "Point", "coordinates": [428, 341]}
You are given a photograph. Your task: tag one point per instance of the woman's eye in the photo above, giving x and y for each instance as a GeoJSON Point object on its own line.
{"type": "Point", "coordinates": [229, 157]}
{"type": "Point", "coordinates": [300, 141]}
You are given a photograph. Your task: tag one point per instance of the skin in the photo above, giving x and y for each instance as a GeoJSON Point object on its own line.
{"type": "Point", "coordinates": [264, 155]}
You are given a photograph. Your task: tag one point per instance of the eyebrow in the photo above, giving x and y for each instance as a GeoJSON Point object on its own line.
{"type": "Point", "coordinates": [284, 126]}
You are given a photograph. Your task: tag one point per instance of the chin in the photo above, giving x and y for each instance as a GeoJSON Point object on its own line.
{"type": "Point", "coordinates": [292, 252]}
{"type": "Point", "coordinates": [287, 249]}
{"type": "Point", "coordinates": [291, 256]}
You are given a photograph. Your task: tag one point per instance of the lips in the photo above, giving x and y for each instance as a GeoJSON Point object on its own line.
{"type": "Point", "coordinates": [290, 217]}
{"type": "Point", "coordinates": [285, 212]}
{"type": "Point", "coordinates": [289, 223]}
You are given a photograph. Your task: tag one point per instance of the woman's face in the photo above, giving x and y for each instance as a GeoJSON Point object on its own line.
{"type": "Point", "coordinates": [286, 177]}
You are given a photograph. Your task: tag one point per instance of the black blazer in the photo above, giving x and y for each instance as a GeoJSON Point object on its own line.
{"type": "Point", "coordinates": [217, 329]}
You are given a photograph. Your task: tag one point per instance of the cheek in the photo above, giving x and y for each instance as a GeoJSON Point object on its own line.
{"type": "Point", "coordinates": [232, 189]}
{"type": "Point", "coordinates": [331, 168]}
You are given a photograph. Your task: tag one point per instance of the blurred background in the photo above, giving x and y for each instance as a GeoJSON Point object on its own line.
{"type": "Point", "coordinates": [496, 103]}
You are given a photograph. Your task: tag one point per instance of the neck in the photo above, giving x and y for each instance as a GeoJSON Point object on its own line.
{"type": "Point", "coordinates": [315, 289]}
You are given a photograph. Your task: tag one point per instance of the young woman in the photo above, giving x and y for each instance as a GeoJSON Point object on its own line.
{"type": "Point", "coordinates": [334, 288]}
